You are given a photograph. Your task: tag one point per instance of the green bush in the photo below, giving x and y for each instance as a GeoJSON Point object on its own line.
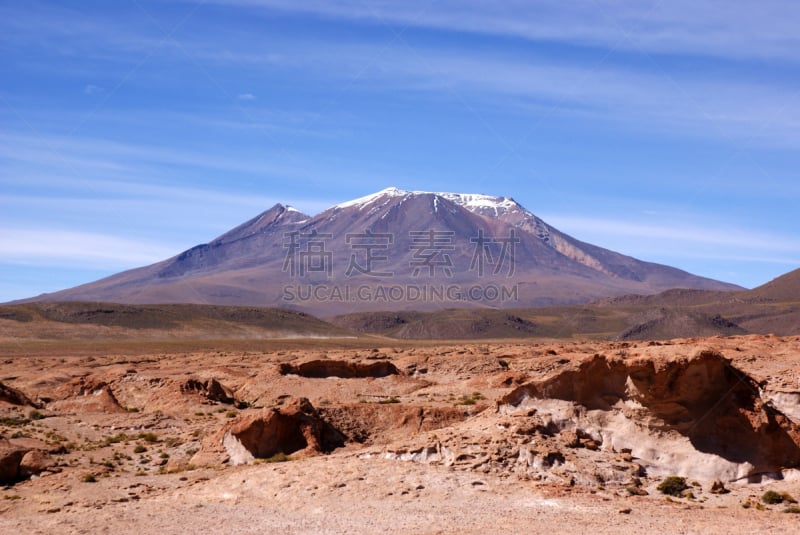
{"type": "Point", "coordinates": [673, 486]}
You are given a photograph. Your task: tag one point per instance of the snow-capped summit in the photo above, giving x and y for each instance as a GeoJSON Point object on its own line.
{"type": "Point", "coordinates": [479, 203]}
{"type": "Point", "coordinates": [369, 199]}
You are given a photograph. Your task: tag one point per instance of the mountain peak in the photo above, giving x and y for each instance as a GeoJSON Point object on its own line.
{"type": "Point", "coordinates": [277, 215]}
{"type": "Point", "coordinates": [369, 199]}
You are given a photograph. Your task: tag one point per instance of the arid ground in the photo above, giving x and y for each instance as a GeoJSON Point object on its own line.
{"type": "Point", "coordinates": [366, 435]}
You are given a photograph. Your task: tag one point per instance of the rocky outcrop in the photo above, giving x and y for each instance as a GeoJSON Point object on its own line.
{"type": "Point", "coordinates": [15, 397]}
{"type": "Point", "coordinates": [86, 394]}
{"type": "Point", "coordinates": [293, 429]}
{"type": "Point", "coordinates": [656, 407]}
{"type": "Point", "coordinates": [209, 389]}
{"type": "Point", "coordinates": [338, 368]}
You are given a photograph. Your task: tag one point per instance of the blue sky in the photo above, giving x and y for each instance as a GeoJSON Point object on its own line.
{"type": "Point", "coordinates": [134, 129]}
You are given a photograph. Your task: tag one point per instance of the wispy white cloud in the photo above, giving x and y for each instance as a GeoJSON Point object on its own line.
{"type": "Point", "coordinates": [697, 104]}
{"type": "Point", "coordinates": [710, 28]}
{"type": "Point", "coordinates": [112, 168]}
{"type": "Point", "coordinates": [694, 103]}
{"type": "Point", "coordinates": [86, 249]}
{"type": "Point", "coordinates": [690, 239]}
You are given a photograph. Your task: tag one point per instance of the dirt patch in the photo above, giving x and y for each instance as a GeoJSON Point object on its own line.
{"type": "Point", "coordinates": [370, 423]}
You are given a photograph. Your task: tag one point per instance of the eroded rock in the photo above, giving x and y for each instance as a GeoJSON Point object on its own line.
{"type": "Point", "coordinates": [210, 389]}
{"type": "Point", "coordinates": [320, 369]}
{"type": "Point", "coordinates": [654, 408]}
{"type": "Point", "coordinates": [13, 396]}
{"type": "Point", "coordinates": [293, 429]}
{"type": "Point", "coordinates": [87, 394]}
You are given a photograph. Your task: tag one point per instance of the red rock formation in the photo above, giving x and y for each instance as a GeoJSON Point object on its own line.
{"type": "Point", "coordinates": [294, 429]}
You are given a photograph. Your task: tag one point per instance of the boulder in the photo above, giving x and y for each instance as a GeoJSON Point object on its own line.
{"type": "Point", "coordinates": [35, 462]}
{"type": "Point", "coordinates": [10, 459]}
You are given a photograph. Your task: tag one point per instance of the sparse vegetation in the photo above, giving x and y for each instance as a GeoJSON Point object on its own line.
{"type": "Point", "coordinates": [471, 399]}
{"type": "Point", "coordinates": [14, 421]}
{"type": "Point", "coordinates": [673, 486]}
{"type": "Point", "coordinates": [35, 415]}
{"type": "Point", "coordinates": [139, 449]}
{"type": "Point", "coordinates": [116, 439]}
{"type": "Point", "coordinates": [389, 400]}
{"type": "Point", "coordinates": [774, 498]}
{"type": "Point", "coordinates": [279, 457]}
{"type": "Point", "coordinates": [149, 437]}
{"type": "Point", "coordinates": [89, 478]}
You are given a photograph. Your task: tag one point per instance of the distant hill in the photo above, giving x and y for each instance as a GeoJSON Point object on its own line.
{"type": "Point", "coordinates": [773, 308]}
{"type": "Point", "coordinates": [784, 288]}
{"type": "Point", "coordinates": [441, 325]}
{"type": "Point", "coordinates": [665, 324]}
{"type": "Point", "coordinates": [78, 319]}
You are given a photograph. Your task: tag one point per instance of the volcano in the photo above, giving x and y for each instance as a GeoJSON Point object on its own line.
{"type": "Point", "coordinates": [392, 250]}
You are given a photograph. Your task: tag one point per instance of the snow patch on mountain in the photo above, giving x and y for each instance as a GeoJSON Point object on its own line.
{"type": "Point", "coordinates": [361, 202]}
{"type": "Point", "coordinates": [474, 202]}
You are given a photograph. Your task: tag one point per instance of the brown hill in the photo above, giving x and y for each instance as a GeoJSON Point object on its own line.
{"type": "Point", "coordinates": [681, 297]}
{"type": "Point", "coordinates": [666, 324]}
{"type": "Point", "coordinates": [784, 288]}
{"type": "Point", "coordinates": [82, 320]}
{"type": "Point", "coordinates": [442, 325]}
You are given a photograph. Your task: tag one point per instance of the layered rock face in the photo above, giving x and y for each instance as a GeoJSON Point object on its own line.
{"type": "Point", "coordinates": [699, 416]}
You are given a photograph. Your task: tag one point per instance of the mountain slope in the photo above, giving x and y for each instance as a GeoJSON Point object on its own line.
{"type": "Point", "coordinates": [392, 250]}
{"type": "Point", "coordinates": [784, 288]}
